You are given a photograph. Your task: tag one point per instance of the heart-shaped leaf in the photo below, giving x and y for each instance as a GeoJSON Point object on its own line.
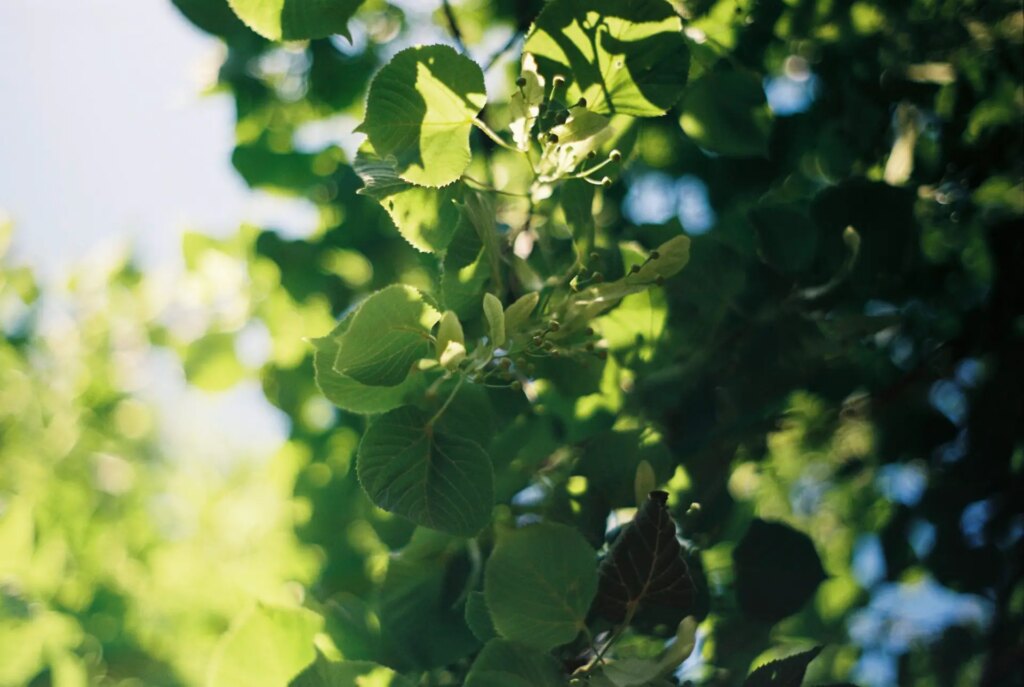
{"type": "Point", "coordinates": [645, 565]}
{"type": "Point", "coordinates": [420, 110]}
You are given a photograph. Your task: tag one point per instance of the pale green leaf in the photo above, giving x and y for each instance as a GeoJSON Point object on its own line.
{"type": "Point", "coordinates": [389, 332]}
{"type": "Point", "coordinates": [425, 217]}
{"type": "Point", "coordinates": [421, 472]}
{"type": "Point", "coordinates": [517, 315]}
{"type": "Point", "coordinates": [502, 663]}
{"type": "Point", "coordinates": [622, 56]}
{"type": "Point", "coordinates": [420, 110]}
{"type": "Point", "coordinates": [347, 393]}
{"type": "Point", "coordinates": [524, 105]}
{"type": "Point", "coordinates": [495, 315]}
{"type": "Point", "coordinates": [539, 583]}
{"type": "Point", "coordinates": [292, 20]}
{"type": "Point", "coordinates": [727, 113]}
{"type": "Point", "coordinates": [266, 647]}
{"type": "Point", "coordinates": [326, 673]}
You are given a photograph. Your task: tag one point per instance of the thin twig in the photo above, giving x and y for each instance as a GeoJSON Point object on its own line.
{"type": "Point", "coordinates": [512, 40]}
{"type": "Point", "coordinates": [453, 25]}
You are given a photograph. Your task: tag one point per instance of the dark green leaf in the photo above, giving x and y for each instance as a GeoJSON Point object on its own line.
{"type": "Point", "coordinates": [478, 617]}
{"type": "Point", "coordinates": [326, 673]}
{"type": "Point", "coordinates": [507, 664]}
{"type": "Point", "coordinates": [293, 20]}
{"type": "Point", "coordinates": [777, 570]}
{"type": "Point", "coordinates": [645, 566]}
{"type": "Point", "coordinates": [436, 479]}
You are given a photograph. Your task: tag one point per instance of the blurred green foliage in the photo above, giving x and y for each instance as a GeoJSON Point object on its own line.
{"type": "Point", "coordinates": [835, 414]}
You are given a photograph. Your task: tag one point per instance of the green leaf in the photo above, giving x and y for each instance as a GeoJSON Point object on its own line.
{"type": "Point", "coordinates": [623, 56]}
{"type": "Point", "coordinates": [389, 332]}
{"type": "Point", "coordinates": [495, 315]}
{"type": "Point", "coordinates": [326, 673]}
{"type": "Point", "coordinates": [293, 20]}
{"type": "Point", "coordinates": [786, 672]}
{"type": "Point", "coordinates": [502, 663]}
{"type": "Point", "coordinates": [645, 566]}
{"type": "Point", "coordinates": [777, 570]}
{"type": "Point", "coordinates": [524, 105]}
{"type": "Point", "coordinates": [466, 270]}
{"type": "Point", "coordinates": [425, 217]}
{"type": "Point", "coordinates": [787, 238]}
{"type": "Point", "coordinates": [517, 315]}
{"type": "Point", "coordinates": [421, 472]}
{"type": "Point", "coordinates": [212, 364]}
{"type": "Point", "coordinates": [266, 647]}
{"type": "Point", "coordinates": [478, 617]}
{"type": "Point", "coordinates": [539, 583]}
{"type": "Point", "coordinates": [671, 257]}
{"type": "Point", "coordinates": [347, 393]}
{"type": "Point", "coordinates": [420, 110]}
{"type": "Point", "coordinates": [727, 113]}
{"type": "Point", "coordinates": [450, 344]}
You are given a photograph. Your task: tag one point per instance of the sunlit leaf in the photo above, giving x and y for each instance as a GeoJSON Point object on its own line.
{"type": "Point", "coordinates": [388, 333]}
{"type": "Point", "coordinates": [420, 111]}
{"type": "Point", "coordinates": [777, 570]}
{"type": "Point", "coordinates": [293, 20]}
{"type": "Point", "coordinates": [507, 664]}
{"type": "Point", "coordinates": [786, 672]}
{"type": "Point", "coordinates": [622, 56]}
{"type": "Point", "coordinates": [326, 673]}
{"type": "Point", "coordinates": [266, 647]}
{"type": "Point", "coordinates": [425, 217]}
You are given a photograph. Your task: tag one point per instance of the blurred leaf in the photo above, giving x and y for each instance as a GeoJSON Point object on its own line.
{"type": "Point", "coordinates": [726, 113]}
{"type": "Point", "coordinates": [786, 672]}
{"type": "Point", "coordinates": [326, 673]}
{"type": "Point", "coordinates": [266, 646]}
{"type": "Point", "coordinates": [212, 364]}
{"type": "Point", "coordinates": [478, 617]}
{"type": "Point", "coordinates": [787, 237]}
{"type": "Point", "coordinates": [294, 20]}
{"type": "Point", "coordinates": [777, 570]}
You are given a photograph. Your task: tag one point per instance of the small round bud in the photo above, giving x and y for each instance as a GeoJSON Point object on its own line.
{"type": "Point", "coordinates": [615, 156]}
{"type": "Point", "coordinates": [598, 277]}
{"type": "Point", "coordinates": [537, 341]}
{"type": "Point", "coordinates": [521, 81]}
{"type": "Point", "coordinates": [516, 385]}
{"type": "Point", "coordinates": [559, 80]}
{"type": "Point", "coordinates": [595, 256]}
{"type": "Point", "coordinates": [660, 281]}
{"type": "Point", "coordinates": [602, 354]}
{"type": "Point", "coordinates": [590, 346]}
{"type": "Point", "coordinates": [552, 138]}
{"type": "Point", "coordinates": [562, 117]}
{"type": "Point", "coordinates": [582, 102]}
{"type": "Point", "coordinates": [592, 154]}
{"type": "Point", "coordinates": [589, 331]}
{"type": "Point", "coordinates": [634, 269]}
{"type": "Point", "coordinates": [606, 182]}
{"type": "Point", "coordinates": [655, 255]}
{"type": "Point", "coordinates": [554, 326]}
{"type": "Point", "coordinates": [505, 363]}
{"type": "Point", "coordinates": [555, 353]}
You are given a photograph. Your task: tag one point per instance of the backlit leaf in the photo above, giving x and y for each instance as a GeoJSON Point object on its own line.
{"type": "Point", "coordinates": [266, 647]}
{"type": "Point", "coordinates": [292, 20]}
{"type": "Point", "coordinates": [502, 663]}
{"type": "Point", "coordinates": [622, 56]}
{"type": "Point", "coordinates": [389, 332]}
{"type": "Point", "coordinates": [326, 673]}
{"type": "Point", "coordinates": [420, 110]}
{"type": "Point", "coordinates": [645, 565]}
{"type": "Point", "coordinates": [786, 672]}
{"type": "Point", "coordinates": [727, 113]}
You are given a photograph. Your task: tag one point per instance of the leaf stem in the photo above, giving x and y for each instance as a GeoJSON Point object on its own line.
{"type": "Point", "coordinates": [448, 401]}
{"type": "Point", "coordinates": [490, 189]}
{"type": "Point", "coordinates": [480, 124]}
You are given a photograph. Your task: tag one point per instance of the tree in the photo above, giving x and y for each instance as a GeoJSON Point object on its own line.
{"type": "Point", "coordinates": [654, 330]}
